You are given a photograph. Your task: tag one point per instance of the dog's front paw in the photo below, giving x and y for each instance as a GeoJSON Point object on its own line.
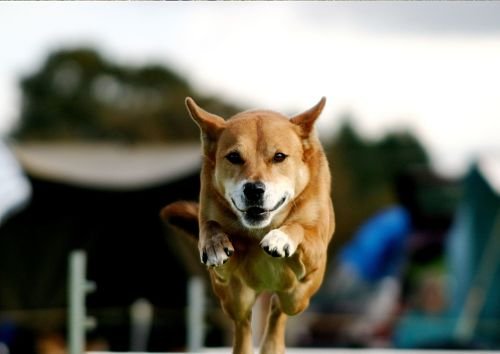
{"type": "Point", "coordinates": [216, 250]}
{"type": "Point", "coordinates": [278, 244]}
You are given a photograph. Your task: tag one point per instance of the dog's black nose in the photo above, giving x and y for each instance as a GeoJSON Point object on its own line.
{"type": "Point", "coordinates": [254, 192]}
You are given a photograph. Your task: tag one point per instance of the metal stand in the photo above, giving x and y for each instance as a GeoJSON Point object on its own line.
{"type": "Point", "coordinates": [78, 287]}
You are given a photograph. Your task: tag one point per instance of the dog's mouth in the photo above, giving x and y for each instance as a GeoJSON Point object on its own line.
{"type": "Point", "coordinates": [259, 213]}
{"type": "Point", "coordinates": [257, 210]}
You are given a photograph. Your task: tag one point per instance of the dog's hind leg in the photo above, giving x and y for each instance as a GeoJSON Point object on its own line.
{"type": "Point", "coordinates": [274, 335]}
{"type": "Point", "coordinates": [237, 300]}
{"type": "Point", "coordinates": [285, 304]}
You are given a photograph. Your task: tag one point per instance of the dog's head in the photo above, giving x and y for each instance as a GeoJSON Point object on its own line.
{"type": "Point", "coordinates": [258, 159]}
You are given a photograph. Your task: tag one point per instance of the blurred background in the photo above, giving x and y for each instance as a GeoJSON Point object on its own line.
{"type": "Point", "coordinates": [95, 139]}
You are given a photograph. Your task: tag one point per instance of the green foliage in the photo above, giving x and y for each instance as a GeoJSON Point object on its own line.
{"type": "Point", "coordinates": [364, 172]}
{"type": "Point", "coordinates": [78, 94]}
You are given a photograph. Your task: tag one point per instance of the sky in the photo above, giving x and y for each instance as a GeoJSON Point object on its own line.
{"type": "Point", "coordinates": [429, 67]}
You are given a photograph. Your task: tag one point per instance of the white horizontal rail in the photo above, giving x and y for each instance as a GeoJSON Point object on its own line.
{"type": "Point", "coordinates": [338, 351]}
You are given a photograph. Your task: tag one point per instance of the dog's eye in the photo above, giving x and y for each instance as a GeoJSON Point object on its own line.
{"type": "Point", "coordinates": [279, 157]}
{"type": "Point", "coordinates": [235, 158]}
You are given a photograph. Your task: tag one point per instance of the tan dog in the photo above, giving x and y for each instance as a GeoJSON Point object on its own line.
{"type": "Point", "coordinates": [265, 215]}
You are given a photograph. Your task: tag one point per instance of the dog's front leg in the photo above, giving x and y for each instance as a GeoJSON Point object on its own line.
{"type": "Point", "coordinates": [283, 242]}
{"type": "Point", "coordinates": [214, 245]}
{"type": "Point", "coordinates": [237, 300]}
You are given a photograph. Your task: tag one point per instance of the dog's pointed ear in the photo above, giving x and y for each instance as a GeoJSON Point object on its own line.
{"type": "Point", "coordinates": [210, 124]}
{"type": "Point", "coordinates": [305, 120]}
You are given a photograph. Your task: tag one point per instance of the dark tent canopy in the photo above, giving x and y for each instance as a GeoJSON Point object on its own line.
{"type": "Point", "coordinates": [106, 201]}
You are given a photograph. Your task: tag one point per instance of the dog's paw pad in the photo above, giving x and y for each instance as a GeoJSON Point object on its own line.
{"type": "Point", "coordinates": [216, 251]}
{"type": "Point", "coordinates": [277, 244]}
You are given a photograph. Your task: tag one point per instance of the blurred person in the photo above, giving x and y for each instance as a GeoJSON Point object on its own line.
{"type": "Point", "coordinates": [50, 343]}
{"type": "Point", "coordinates": [364, 287]}
{"type": "Point", "coordinates": [7, 334]}
{"type": "Point", "coordinates": [54, 343]}
{"type": "Point", "coordinates": [15, 189]}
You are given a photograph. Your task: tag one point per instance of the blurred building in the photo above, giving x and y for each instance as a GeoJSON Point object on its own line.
{"type": "Point", "coordinates": [104, 199]}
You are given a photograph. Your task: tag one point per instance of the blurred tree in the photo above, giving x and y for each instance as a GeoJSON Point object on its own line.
{"type": "Point", "coordinates": [77, 94]}
{"type": "Point", "coordinates": [364, 173]}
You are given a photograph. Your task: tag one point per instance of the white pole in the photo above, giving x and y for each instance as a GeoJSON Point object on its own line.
{"type": "Point", "coordinates": [78, 287]}
{"type": "Point", "coordinates": [141, 315]}
{"type": "Point", "coordinates": [76, 318]}
{"type": "Point", "coordinates": [195, 314]}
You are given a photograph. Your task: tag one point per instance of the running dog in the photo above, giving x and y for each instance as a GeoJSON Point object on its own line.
{"type": "Point", "coordinates": [265, 216]}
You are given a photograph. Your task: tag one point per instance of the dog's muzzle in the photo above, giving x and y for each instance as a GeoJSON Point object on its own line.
{"type": "Point", "coordinates": [257, 214]}
{"type": "Point", "coordinates": [256, 202]}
